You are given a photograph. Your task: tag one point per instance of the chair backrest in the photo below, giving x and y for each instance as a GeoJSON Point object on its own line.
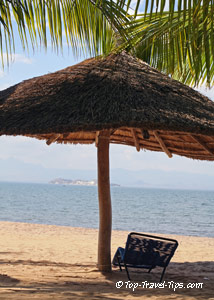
{"type": "Point", "coordinates": [143, 249]}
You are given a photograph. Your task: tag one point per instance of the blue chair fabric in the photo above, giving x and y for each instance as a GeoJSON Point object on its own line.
{"type": "Point", "coordinates": [145, 251]}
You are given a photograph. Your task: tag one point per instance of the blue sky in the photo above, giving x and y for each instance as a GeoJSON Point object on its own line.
{"type": "Point", "coordinates": [17, 152]}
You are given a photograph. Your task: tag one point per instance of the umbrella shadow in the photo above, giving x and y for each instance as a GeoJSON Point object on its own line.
{"type": "Point", "coordinates": [90, 284]}
{"type": "Point", "coordinates": [6, 280]}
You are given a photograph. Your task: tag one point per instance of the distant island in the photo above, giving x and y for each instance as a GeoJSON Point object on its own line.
{"type": "Point", "coordinates": [63, 181]}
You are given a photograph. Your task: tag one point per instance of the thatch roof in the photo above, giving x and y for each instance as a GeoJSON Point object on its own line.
{"type": "Point", "coordinates": [120, 93]}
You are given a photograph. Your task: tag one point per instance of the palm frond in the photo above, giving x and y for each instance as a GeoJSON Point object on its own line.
{"type": "Point", "coordinates": [181, 46]}
{"type": "Point", "coordinates": [89, 26]}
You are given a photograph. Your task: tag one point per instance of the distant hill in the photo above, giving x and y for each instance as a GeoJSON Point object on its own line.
{"type": "Point", "coordinates": [77, 182]}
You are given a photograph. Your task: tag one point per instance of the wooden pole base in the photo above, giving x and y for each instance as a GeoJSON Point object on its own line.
{"type": "Point", "coordinates": [105, 213]}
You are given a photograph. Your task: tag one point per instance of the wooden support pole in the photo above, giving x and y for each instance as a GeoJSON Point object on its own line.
{"type": "Point", "coordinates": [202, 144]}
{"type": "Point", "coordinates": [135, 138]}
{"type": "Point", "coordinates": [162, 144]}
{"type": "Point", "coordinates": [96, 138]}
{"type": "Point", "coordinates": [105, 211]}
{"type": "Point", "coordinates": [52, 139]}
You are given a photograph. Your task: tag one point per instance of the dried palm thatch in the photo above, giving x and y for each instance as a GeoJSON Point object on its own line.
{"type": "Point", "coordinates": [141, 106]}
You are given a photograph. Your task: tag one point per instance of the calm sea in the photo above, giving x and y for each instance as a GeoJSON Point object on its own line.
{"type": "Point", "coordinates": [134, 209]}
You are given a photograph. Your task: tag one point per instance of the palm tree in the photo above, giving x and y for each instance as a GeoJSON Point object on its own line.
{"type": "Point", "coordinates": [179, 42]}
{"type": "Point", "coordinates": [89, 25]}
{"type": "Point", "coordinates": [174, 36]}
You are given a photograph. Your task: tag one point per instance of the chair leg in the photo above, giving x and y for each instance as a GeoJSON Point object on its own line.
{"type": "Point", "coordinates": [162, 274]}
{"type": "Point", "coordinates": [127, 272]}
{"type": "Point", "coordinates": [119, 264]}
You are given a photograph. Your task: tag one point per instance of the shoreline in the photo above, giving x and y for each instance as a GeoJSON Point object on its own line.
{"type": "Point", "coordinates": [113, 230]}
{"type": "Point", "coordinates": [59, 262]}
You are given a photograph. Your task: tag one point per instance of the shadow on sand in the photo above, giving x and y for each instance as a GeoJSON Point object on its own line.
{"type": "Point", "coordinates": [83, 281]}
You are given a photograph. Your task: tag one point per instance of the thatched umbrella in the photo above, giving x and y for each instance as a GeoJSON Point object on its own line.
{"type": "Point", "coordinates": [118, 100]}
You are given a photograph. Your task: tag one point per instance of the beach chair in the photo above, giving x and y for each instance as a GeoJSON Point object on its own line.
{"type": "Point", "coordinates": [145, 251]}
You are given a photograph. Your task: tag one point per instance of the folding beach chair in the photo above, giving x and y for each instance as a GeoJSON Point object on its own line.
{"type": "Point", "coordinates": [145, 251]}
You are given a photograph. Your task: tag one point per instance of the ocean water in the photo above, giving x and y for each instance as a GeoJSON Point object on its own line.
{"type": "Point", "coordinates": [134, 209]}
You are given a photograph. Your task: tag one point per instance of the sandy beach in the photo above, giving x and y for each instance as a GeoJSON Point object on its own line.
{"type": "Point", "coordinates": [56, 262]}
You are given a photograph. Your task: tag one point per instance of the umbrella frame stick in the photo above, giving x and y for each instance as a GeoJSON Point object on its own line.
{"type": "Point", "coordinates": [104, 196]}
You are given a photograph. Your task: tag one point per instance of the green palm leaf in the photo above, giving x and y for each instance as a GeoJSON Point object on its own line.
{"type": "Point", "coordinates": [88, 25]}
{"type": "Point", "coordinates": [175, 36]}
{"type": "Point", "coordinates": [180, 45]}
